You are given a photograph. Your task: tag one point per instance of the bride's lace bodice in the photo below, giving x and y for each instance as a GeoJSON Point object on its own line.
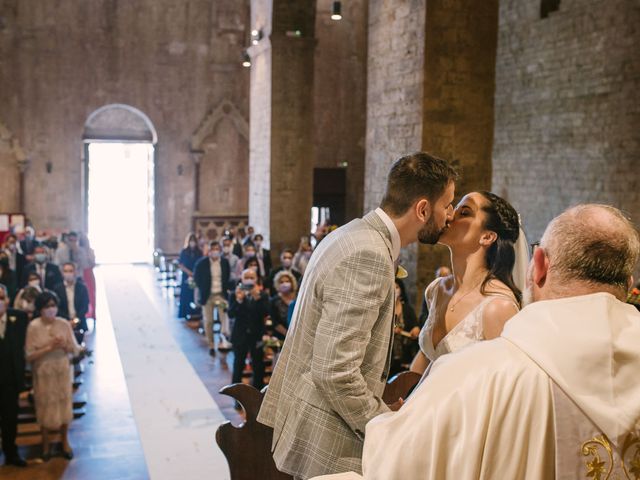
{"type": "Point", "coordinates": [469, 330]}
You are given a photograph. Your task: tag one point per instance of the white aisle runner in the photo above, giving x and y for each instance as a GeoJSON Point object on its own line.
{"type": "Point", "coordinates": [175, 415]}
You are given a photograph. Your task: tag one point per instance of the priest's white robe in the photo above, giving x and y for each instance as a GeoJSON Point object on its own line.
{"type": "Point", "coordinates": [561, 369]}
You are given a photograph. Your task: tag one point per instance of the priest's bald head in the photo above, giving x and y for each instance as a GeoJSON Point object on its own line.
{"type": "Point", "coordinates": [587, 249]}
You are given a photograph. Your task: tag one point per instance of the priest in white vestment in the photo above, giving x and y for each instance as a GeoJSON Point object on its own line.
{"type": "Point", "coordinates": [556, 396]}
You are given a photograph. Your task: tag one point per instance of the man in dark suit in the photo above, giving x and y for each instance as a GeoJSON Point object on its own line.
{"type": "Point", "coordinates": [29, 244]}
{"type": "Point", "coordinates": [13, 331]}
{"type": "Point", "coordinates": [263, 255]}
{"type": "Point", "coordinates": [17, 261]}
{"type": "Point", "coordinates": [211, 275]}
{"type": "Point", "coordinates": [49, 272]}
{"type": "Point", "coordinates": [73, 295]}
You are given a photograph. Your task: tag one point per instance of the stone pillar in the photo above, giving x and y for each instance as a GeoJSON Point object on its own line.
{"type": "Point", "coordinates": [281, 153]}
{"type": "Point", "coordinates": [459, 85]}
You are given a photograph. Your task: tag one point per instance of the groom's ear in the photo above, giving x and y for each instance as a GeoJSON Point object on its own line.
{"type": "Point", "coordinates": [422, 209]}
{"type": "Point", "coordinates": [540, 267]}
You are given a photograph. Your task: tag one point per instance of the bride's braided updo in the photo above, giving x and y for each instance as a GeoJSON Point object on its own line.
{"type": "Point", "coordinates": [502, 219]}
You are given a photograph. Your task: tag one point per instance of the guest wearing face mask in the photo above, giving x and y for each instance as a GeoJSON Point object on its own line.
{"type": "Point", "coordinates": [232, 258]}
{"type": "Point", "coordinates": [189, 255]}
{"type": "Point", "coordinates": [74, 298]}
{"type": "Point", "coordinates": [263, 255]}
{"type": "Point", "coordinates": [286, 265]}
{"type": "Point", "coordinates": [13, 327]}
{"type": "Point", "coordinates": [211, 275]}
{"type": "Point", "coordinates": [249, 306]}
{"type": "Point", "coordinates": [8, 277]}
{"type": "Point", "coordinates": [17, 261]}
{"type": "Point", "coordinates": [249, 253]}
{"type": "Point", "coordinates": [48, 272]}
{"type": "Point", "coordinates": [286, 288]}
{"type": "Point", "coordinates": [302, 256]}
{"type": "Point", "coordinates": [49, 348]}
{"type": "Point", "coordinates": [29, 244]}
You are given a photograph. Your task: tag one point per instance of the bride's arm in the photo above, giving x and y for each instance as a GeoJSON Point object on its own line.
{"type": "Point", "coordinates": [419, 364]}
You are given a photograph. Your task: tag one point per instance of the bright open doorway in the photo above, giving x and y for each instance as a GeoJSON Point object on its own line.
{"type": "Point", "coordinates": [121, 201]}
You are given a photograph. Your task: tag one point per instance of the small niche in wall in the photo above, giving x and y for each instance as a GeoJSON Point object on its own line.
{"type": "Point", "coordinates": [548, 6]}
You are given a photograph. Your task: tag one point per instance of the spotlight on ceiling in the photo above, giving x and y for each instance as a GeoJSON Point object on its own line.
{"type": "Point", "coordinates": [256, 36]}
{"type": "Point", "coordinates": [336, 11]}
{"type": "Point", "coordinates": [246, 60]}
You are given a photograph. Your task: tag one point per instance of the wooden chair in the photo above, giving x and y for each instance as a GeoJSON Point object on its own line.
{"type": "Point", "coordinates": [248, 447]}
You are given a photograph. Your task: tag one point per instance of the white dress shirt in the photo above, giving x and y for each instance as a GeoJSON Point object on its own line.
{"type": "Point", "coordinates": [216, 276]}
{"type": "Point", "coordinates": [71, 299]}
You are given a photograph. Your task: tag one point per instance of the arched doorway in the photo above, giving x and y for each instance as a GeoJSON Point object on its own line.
{"type": "Point", "coordinates": [119, 154]}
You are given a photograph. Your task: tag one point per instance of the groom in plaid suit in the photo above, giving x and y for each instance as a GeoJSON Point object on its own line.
{"type": "Point", "coordinates": [334, 364]}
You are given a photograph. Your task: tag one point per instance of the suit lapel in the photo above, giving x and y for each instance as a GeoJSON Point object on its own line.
{"type": "Point", "coordinates": [379, 226]}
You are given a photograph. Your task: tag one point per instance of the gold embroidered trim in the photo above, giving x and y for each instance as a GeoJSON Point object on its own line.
{"type": "Point", "coordinates": [600, 464]}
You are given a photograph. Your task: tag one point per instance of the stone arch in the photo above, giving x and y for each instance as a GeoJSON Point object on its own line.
{"type": "Point", "coordinates": [119, 122]}
{"type": "Point", "coordinates": [226, 110]}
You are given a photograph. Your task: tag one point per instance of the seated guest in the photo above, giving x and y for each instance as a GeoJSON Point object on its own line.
{"type": "Point", "coordinates": [406, 331]}
{"type": "Point", "coordinates": [286, 264]}
{"type": "Point", "coordinates": [263, 255]}
{"type": "Point", "coordinates": [556, 396]}
{"type": "Point", "coordinates": [286, 286]}
{"type": "Point", "coordinates": [13, 329]}
{"type": "Point", "coordinates": [48, 272]}
{"type": "Point", "coordinates": [232, 258]}
{"type": "Point", "coordinates": [73, 296]}
{"type": "Point", "coordinates": [17, 261]}
{"type": "Point", "coordinates": [211, 275]}
{"type": "Point", "coordinates": [249, 307]}
{"type": "Point", "coordinates": [49, 348]}
{"type": "Point", "coordinates": [189, 255]}
{"type": "Point", "coordinates": [26, 299]}
{"type": "Point", "coordinates": [8, 277]}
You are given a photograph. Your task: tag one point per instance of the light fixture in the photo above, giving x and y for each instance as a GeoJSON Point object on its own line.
{"type": "Point", "coordinates": [336, 11]}
{"type": "Point", "coordinates": [256, 36]}
{"type": "Point", "coordinates": [246, 60]}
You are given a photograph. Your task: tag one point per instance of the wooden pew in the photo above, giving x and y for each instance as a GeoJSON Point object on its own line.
{"type": "Point", "coordinates": [248, 447]}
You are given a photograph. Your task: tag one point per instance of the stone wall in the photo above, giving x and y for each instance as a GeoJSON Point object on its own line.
{"type": "Point", "coordinates": [174, 61]}
{"type": "Point", "coordinates": [567, 124]}
{"type": "Point", "coordinates": [339, 95]}
{"type": "Point", "coordinates": [394, 97]}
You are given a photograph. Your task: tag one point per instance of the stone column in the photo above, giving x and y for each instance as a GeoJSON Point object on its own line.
{"type": "Point", "coordinates": [281, 153]}
{"type": "Point", "coordinates": [459, 86]}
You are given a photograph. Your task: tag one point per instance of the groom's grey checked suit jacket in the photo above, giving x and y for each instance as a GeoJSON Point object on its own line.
{"type": "Point", "coordinates": [333, 367]}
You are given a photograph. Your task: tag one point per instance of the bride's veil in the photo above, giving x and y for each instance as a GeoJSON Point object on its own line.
{"type": "Point", "coordinates": [522, 259]}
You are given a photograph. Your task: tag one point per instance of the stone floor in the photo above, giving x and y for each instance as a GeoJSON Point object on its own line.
{"type": "Point", "coordinates": [105, 440]}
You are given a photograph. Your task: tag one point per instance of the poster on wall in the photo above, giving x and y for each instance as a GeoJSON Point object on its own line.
{"type": "Point", "coordinates": [4, 222]}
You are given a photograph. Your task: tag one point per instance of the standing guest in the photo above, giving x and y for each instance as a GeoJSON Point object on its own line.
{"type": "Point", "coordinates": [249, 307]}
{"type": "Point", "coordinates": [48, 272]}
{"type": "Point", "coordinates": [236, 244]}
{"type": "Point", "coordinates": [73, 296]}
{"type": "Point", "coordinates": [50, 346]}
{"type": "Point", "coordinates": [263, 255]}
{"type": "Point", "coordinates": [13, 328]}
{"type": "Point", "coordinates": [70, 251]}
{"type": "Point", "coordinates": [189, 255]}
{"type": "Point", "coordinates": [406, 331]}
{"type": "Point", "coordinates": [249, 251]}
{"type": "Point", "coordinates": [248, 238]}
{"type": "Point", "coordinates": [556, 396]}
{"type": "Point", "coordinates": [211, 275]}
{"type": "Point", "coordinates": [26, 300]}
{"type": "Point", "coordinates": [8, 277]}
{"type": "Point", "coordinates": [232, 258]}
{"type": "Point", "coordinates": [302, 256]}
{"type": "Point", "coordinates": [87, 273]}
{"type": "Point", "coordinates": [335, 362]}
{"type": "Point", "coordinates": [17, 260]}
{"type": "Point", "coordinates": [29, 244]}
{"type": "Point", "coordinates": [286, 286]}
{"type": "Point", "coordinates": [286, 264]}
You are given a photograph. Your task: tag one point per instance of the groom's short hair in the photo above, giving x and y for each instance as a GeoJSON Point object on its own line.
{"type": "Point", "coordinates": [416, 176]}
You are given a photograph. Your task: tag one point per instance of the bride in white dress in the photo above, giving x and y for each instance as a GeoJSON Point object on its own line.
{"type": "Point", "coordinates": [483, 237]}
